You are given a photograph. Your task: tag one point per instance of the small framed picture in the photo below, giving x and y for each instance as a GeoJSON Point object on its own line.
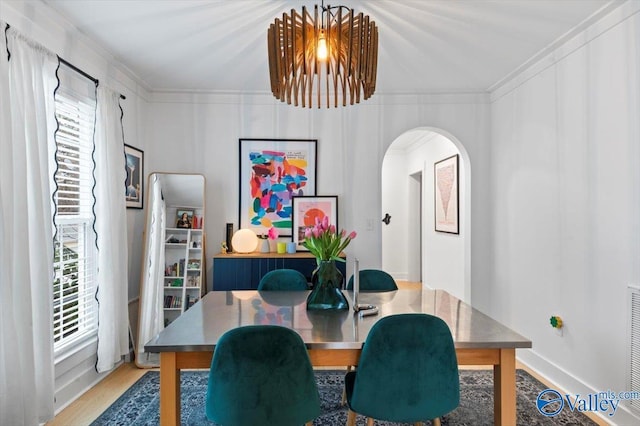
{"type": "Point", "coordinates": [308, 209]}
{"type": "Point", "coordinates": [446, 195]}
{"type": "Point", "coordinates": [134, 189]}
{"type": "Point", "coordinates": [184, 218]}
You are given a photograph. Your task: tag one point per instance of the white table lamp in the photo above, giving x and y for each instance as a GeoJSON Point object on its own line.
{"type": "Point", "coordinates": [244, 241]}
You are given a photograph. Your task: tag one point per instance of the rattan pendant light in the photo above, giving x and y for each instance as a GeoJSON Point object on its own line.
{"type": "Point", "coordinates": [326, 58]}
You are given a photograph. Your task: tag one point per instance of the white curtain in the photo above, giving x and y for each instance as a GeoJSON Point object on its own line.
{"type": "Point", "coordinates": [111, 231]}
{"type": "Point", "coordinates": [151, 320]}
{"type": "Point", "coordinates": [27, 126]}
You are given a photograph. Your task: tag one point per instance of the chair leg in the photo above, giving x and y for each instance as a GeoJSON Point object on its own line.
{"type": "Point", "coordinates": [369, 421]}
{"type": "Point", "coordinates": [436, 421]}
{"type": "Point", "coordinates": [351, 418]}
{"type": "Point", "coordinates": [308, 424]}
{"type": "Point", "coordinates": [344, 392]}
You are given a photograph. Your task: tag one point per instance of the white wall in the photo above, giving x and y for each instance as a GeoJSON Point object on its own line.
{"type": "Point", "coordinates": [444, 256]}
{"type": "Point", "coordinates": [199, 133]}
{"type": "Point", "coordinates": [565, 155]}
{"type": "Point", "coordinates": [37, 21]}
{"type": "Point", "coordinates": [396, 236]}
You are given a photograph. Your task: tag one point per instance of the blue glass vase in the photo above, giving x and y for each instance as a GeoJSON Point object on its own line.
{"type": "Point", "coordinates": [326, 294]}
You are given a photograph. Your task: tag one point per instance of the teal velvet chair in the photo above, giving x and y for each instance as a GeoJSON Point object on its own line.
{"type": "Point", "coordinates": [374, 280]}
{"type": "Point", "coordinates": [371, 280]}
{"type": "Point", "coordinates": [283, 280]}
{"type": "Point", "coordinates": [261, 375]}
{"type": "Point", "coordinates": [408, 371]}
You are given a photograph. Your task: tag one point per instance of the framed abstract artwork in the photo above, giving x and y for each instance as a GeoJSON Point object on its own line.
{"type": "Point", "coordinates": [134, 188]}
{"type": "Point", "coordinates": [272, 172]}
{"type": "Point", "coordinates": [446, 201]}
{"type": "Point", "coordinates": [305, 212]}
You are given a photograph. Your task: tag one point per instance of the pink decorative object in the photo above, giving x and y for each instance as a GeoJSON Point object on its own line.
{"type": "Point", "coordinates": [273, 233]}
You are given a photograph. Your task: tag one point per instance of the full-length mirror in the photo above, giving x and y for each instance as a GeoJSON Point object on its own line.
{"type": "Point", "coordinates": [173, 262]}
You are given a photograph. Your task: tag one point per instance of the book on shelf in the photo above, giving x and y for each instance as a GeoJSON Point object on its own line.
{"type": "Point", "coordinates": [171, 301]}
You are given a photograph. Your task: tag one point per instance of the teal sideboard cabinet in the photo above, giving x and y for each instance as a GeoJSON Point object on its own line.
{"type": "Point", "coordinates": [235, 271]}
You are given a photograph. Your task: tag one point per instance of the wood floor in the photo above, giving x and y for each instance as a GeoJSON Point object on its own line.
{"type": "Point", "coordinates": [96, 400]}
{"type": "Point", "coordinates": [92, 403]}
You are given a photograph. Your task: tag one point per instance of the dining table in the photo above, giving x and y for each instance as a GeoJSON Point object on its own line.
{"type": "Point", "coordinates": [333, 338]}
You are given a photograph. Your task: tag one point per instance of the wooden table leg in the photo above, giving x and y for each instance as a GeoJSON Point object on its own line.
{"type": "Point", "coordinates": [169, 390]}
{"type": "Point", "coordinates": [504, 389]}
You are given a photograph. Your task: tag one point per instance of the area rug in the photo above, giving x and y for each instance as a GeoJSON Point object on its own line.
{"type": "Point", "coordinates": [139, 405]}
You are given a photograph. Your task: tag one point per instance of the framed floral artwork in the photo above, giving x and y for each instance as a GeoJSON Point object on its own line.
{"type": "Point", "coordinates": [272, 173]}
{"type": "Point", "coordinates": [306, 210]}
{"type": "Point", "coordinates": [446, 195]}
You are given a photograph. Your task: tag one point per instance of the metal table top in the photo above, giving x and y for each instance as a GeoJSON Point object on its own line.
{"type": "Point", "coordinates": [199, 328]}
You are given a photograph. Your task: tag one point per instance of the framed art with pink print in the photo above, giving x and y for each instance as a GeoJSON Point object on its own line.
{"type": "Point", "coordinates": [306, 210]}
{"type": "Point", "coordinates": [446, 201]}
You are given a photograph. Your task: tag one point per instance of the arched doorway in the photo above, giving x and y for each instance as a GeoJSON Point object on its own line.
{"type": "Point", "coordinates": [411, 248]}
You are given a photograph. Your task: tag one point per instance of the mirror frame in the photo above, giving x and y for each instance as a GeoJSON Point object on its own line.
{"type": "Point", "coordinates": [153, 361]}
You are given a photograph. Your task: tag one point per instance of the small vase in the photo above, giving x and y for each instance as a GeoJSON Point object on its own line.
{"type": "Point", "coordinates": [264, 247]}
{"type": "Point", "coordinates": [326, 281]}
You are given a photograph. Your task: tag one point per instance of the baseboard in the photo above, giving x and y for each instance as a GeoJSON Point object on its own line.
{"type": "Point", "coordinates": [130, 356]}
{"type": "Point", "coordinates": [399, 276]}
{"type": "Point", "coordinates": [566, 383]}
{"type": "Point", "coordinates": [83, 381]}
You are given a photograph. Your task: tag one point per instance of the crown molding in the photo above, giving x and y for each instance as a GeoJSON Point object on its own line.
{"type": "Point", "coordinates": [57, 33]}
{"type": "Point", "coordinates": [597, 24]}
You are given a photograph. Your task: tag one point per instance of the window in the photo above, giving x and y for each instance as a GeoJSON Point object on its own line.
{"type": "Point", "coordinates": [75, 313]}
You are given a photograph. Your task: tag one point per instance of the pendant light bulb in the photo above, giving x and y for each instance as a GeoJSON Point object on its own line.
{"type": "Point", "coordinates": [322, 52]}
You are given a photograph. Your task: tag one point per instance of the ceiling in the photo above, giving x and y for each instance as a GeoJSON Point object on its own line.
{"type": "Point", "coordinates": [425, 46]}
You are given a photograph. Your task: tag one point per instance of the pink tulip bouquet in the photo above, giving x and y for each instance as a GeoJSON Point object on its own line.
{"type": "Point", "coordinates": [324, 242]}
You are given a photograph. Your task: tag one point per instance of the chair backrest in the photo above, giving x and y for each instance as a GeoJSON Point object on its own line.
{"type": "Point", "coordinates": [261, 375]}
{"type": "Point", "coordinates": [374, 280]}
{"type": "Point", "coordinates": [414, 356]}
{"type": "Point", "coordinates": [283, 280]}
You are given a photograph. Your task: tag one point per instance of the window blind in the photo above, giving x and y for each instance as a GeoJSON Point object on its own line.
{"type": "Point", "coordinates": [75, 315]}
